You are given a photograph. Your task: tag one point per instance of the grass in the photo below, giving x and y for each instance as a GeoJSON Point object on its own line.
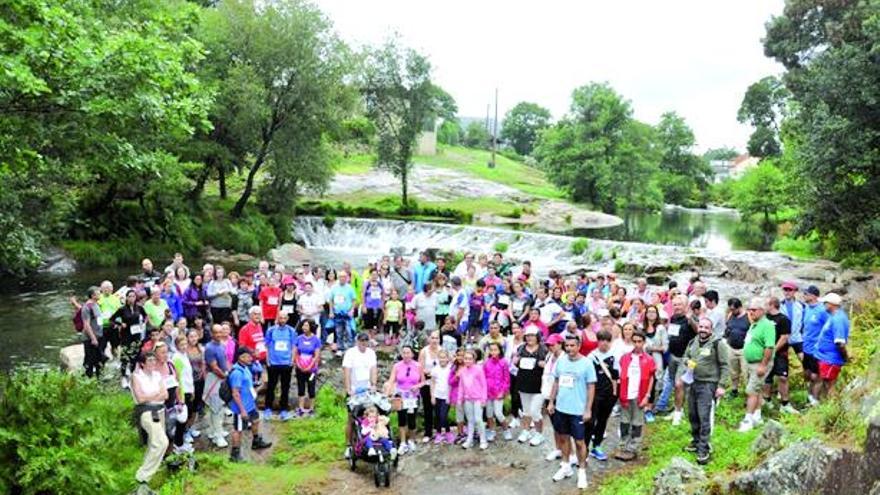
{"type": "Point", "coordinates": [355, 164]}
{"type": "Point", "coordinates": [579, 246]}
{"type": "Point", "coordinates": [387, 205]}
{"type": "Point", "coordinates": [800, 248]}
{"type": "Point", "coordinates": [501, 247]}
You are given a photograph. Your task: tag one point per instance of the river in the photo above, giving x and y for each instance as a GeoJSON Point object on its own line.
{"type": "Point", "coordinates": [36, 314]}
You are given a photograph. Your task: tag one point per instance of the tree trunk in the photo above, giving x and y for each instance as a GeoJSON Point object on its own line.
{"type": "Point", "coordinates": [249, 184]}
{"type": "Point", "coordinates": [221, 172]}
{"type": "Point", "coordinates": [196, 191]}
{"type": "Point", "coordinates": [404, 201]}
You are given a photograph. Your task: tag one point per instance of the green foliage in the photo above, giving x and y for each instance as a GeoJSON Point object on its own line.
{"type": "Point", "coordinates": [56, 435]}
{"type": "Point", "coordinates": [522, 124]}
{"type": "Point", "coordinates": [500, 247]}
{"type": "Point", "coordinates": [763, 107]}
{"type": "Point", "coordinates": [598, 255]}
{"type": "Point", "coordinates": [723, 153]}
{"type": "Point", "coordinates": [761, 190]}
{"type": "Point", "coordinates": [579, 246]}
{"type": "Point", "coordinates": [450, 133]}
{"type": "Point", "coordinates": [329, 221]}
{"type": "Point", "coordinates": [517, 212]}
{"type": "Point", "coordinates": [476, 136]}
{"type": "Point", "coordinates": [800, 247]}
{"type": "Point", "coordinates": [687, 176]}
{"type": "Point", "coordinates": [619, 266]}
{"type": "Point", "coordinates": [567, 218]}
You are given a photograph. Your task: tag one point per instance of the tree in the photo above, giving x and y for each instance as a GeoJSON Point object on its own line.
{"type": "Point", "coordinates": [280, 71]}
{"type": "Point", "coordinates": [400, 99]}
{"type": "Point", "coordinates": [829, 50]}
{"type": "Point", "coordinates": [687, 175]}
{"type": "Point", "coordinates": [723, 153]}
{"type": "Point", "coordinates": [763, 107]}
{"type": "Point", "coordinates": [450, 133]}
{"type": "Point", "coordinates": [522, 123]}
{"type": "Point", "coordinates": [761, 190]}
{"type": "Point", "coordinates": [476, 136]}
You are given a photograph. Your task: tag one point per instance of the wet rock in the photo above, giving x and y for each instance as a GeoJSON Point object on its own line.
{"type": "Point", "coordinates": [57, 262]}
{"type": "Point", "coordinates": [770, 440]}
{"type": "Point", "coordinates": [290, 254]}
{"type": "Point", "coordinates": [72, 357]}
{"type": "Point", "coordinates": [680, 477]}
{"type": "Point", "coordinates": [799, 468]}
{"type": "Point", "coordinates": [225, 257]}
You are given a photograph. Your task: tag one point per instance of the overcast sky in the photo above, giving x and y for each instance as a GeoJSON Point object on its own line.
{"type": "Point", "coordinates": [695, 57]}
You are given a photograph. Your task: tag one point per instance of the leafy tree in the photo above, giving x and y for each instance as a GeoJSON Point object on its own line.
{"type": "Point", "coordinates": [763, 108]}
{"type": "Point", "coordinates": [687, 175]}
{"type": "Point", "coordinates": [761, 190]}
{"type": "Point", "coordinates": [522, 123]}
{"type": "Point", "coordinates": [450, 133]}
{"type": "Point", "coordinates": [279, 69]}
{"type": "Point", "coordinates": [476, 136]}
{"type": "Point", "coordinates": [400, 99]}
{"type": "Point", "coordinates": [723, 153]}
{"type": "Point", "coordinates": [447, 108]}
{"type": "Point", "coordinates": [829, 50]}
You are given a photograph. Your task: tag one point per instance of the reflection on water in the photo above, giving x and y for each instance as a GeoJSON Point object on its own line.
{"type": "Point", "coordinates": [717, 229]}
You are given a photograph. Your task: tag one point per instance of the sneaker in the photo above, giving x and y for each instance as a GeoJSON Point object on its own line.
{"type": "Point", "coordinates": [467, 444]}
{"type": "Point", "coordinates": [812, 401]}
{"type": "Point", "coordinates": [411, 445]}
{"type": "Point", "coordinates": [449, 438]}
{"type": "Point", "coordinates": [425, 439]}
{"type": "Point", "coordinates": [573, 459]}
{"type": "Point", "coordinates": [564, 471]}
{"type": "Point", "coordinates": [582, 479]}
{"type": "Point", "coordinates": [392, 452]}
{"type": "Point", "coordinates": [537, 439]}
{"type": "Point", "coordinates": [691, 447]}
{"type": "Point", "coordinates": [187, 438]}
{"type": "Point", "coordinates": [235, 455]}
{"type": "Point", "coordinates": [220, 442]}
{"type": "Point", "coordinates": [347, 453]}
{"type": "Point", "coordinates": [745, 425]}
{"type": "Point", "coordinates": [484, 445]}
{"type": "Point", "coordinates": [260, 444]}
{"type": "Point", "coordinates": [524, 436]}
{"type": "Point", "coordinates": [125, 383]}
{"type": "Point", "coordinates": [227, 412]}
{"type": "Point", "coordinates": [194, 432]}
{"type": "Point", "coordinates": [224, 433]}
{"type": "Point", "coordinates": [285, 416]}
{"type": "Point", "coordinates": [184, 449]}
{"type": "Point", "coordinates": [514, 423]}
{"type": "Point", "coordinates": [649, 417]}
{"type": "Point", "coordinates": [789, 409]}
{"type": "Point", "coordinates": [553, 455]}
{"type": "Point", "coordinates": [490, 436]}
{"type": "Point", "coordinates": [599, 454]}
{"type": "Point", "coordinates": [267, 414]}
{"type": "Point", "coordinates": [371, 452]}
{"type": "Point", "coordinates": [757, 420]}
{"type": "Point", "coordinates": [676, 418]}
{"type": "Point", "coordinates": [615, 412]}
{"type": "Point", "coordinates": [703, 458]}
{"type": "Point", "coordinates": [339, 354]}
{"type": "Point", "coordinates": [508, 435]}
{"type": "Point", "coordinates": [438, 439]}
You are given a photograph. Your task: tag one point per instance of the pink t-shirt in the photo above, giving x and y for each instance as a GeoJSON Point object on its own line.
{"type": "Point", "coordinates": [407, 375]}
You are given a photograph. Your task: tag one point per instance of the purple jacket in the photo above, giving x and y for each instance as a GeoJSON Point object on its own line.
{"type": "Point", "coordinates": [193, 295]}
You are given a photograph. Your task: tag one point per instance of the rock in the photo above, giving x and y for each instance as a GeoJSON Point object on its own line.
{"type": "Point", "coordinates": [57, 262]}
{"type": "Point", "coordinates": [770, 440]}
{"type": "Point", "coordinates": [799, 468]}
{"type": "Point", "coordinates": [225, 257]}
{"type": "Point", "coordinates": [290, 254]}
{"type": "Point", "coordinates": [72, 357]}
{"type": "Point", "coordinates": [675, 478]}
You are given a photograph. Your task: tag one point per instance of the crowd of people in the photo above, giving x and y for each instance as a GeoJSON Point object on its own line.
{"type": "Point", "coordinates": [484, 350]}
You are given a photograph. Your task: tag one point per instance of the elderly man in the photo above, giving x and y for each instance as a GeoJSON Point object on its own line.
{"type": "Point", "coordinates": [831, 347]}
{"type": "Point", "coordinates": [759, 347]}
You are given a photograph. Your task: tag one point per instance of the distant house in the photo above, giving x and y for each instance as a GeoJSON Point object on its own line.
{"type": "Point", "coordinates": [740, 164]}
{"type": "Point", "coordinates": [721, 169]}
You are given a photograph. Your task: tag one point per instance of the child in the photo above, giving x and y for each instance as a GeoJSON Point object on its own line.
{"type": "Point", "coordinates": [374, 427]}
{"type": "Point", "coordinates": [372, 307]}
{"type": "Point", "coordinates": [472, 393]}
{"type": "Point", "coordinates": [440, 398]}
{"type": "Point", "coordinates": [477, 303]}
{"type": "Point", "coordinates": [636, 368]}
{"type": "Point", "coordinates": [449, 338]}
{"type": "Point", "coordinates": [454, 397]}
{"type": "Point", "coordinates": [410, 310]}
{"type": "Point", "coordinates": [497, 371]}
{"type": "Point", "coordinates": [392, 318]}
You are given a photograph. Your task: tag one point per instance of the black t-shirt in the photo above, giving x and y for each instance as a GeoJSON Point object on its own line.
{"type": "Point", "coordinates": [736, 330]}
{"type": "Point", "coordinates": [604, 386]}
{"type": "Point", "coordinates": [783, 327]}
{"type": "Point", "coordinates": [680, 334]}
{"type": "Point", "coordinates": [529, 380]}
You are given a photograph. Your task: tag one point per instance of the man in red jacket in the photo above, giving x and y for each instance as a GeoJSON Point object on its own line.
{"type": "Point", "coordinates": [636, 381]}
{"type": "Point", "coordinates": [252, 336]}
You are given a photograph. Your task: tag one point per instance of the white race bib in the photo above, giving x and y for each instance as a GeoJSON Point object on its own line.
{"type": "Point", "coordinates": [566, 381]}
{"type": "Point", "coordinates": [518, 306]}
{"type": "Point", "coordinates": [260, 347]}
{"type": "Point", "coordinates": [376, 293]}
{"type": "Point", "coordinates": [100, 320]}
{"type": "Point", "coordinates": [287, 309]}
{"type": "Point", "coordinates": [272, 300]}
{"type": "Point", "coordinates": [504, 299]}
{"type": "Point", "coordinates": [411, 404]}
{"type": "Point", "coordinates": [136, 329]}
{"type": "Point", "coordinates": [673, 329]}
{"type": "Point", "coordinates": [339, 299]}
{"type": "Point", "coordinates": [527, 363]}
{"type": "Point", "coordinates": [281, 346]}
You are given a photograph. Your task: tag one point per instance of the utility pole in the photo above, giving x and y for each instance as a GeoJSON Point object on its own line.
{"type": "Point", "coordinates": [486, 125]}
{"type": "Point", "coordinates": [494, 131]}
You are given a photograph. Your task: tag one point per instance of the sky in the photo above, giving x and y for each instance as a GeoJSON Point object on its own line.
{"type": "Point", "coordinates": [694, 57]}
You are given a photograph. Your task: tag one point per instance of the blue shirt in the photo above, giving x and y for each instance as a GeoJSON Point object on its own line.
{"type": "Point", "coordinates": [308, 346]}
{"type": "Point", "coordinates": [175, 304]}
{"type": "Point", "coordinates": [815, 317]}
{"type": "Point", "coordinates": [835, 330]}
{"type": "Point", "coordinates": [342, 297]}
{"type": "Point", "coordinates": [572, 378]}
{"type": "Point", "coordinates": [240, 378]}
{"type": "Point", "coordinates": [422, 273]}
{"type": "Point", "coordinates": [794, 310]}
{"type": "Point", "coordinates": [215, 352]}
{"type": "Point", "coordinates": [279, 342]}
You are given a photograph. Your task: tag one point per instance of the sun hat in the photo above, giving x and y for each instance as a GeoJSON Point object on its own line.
{"type": "Point", "coordinates": [832, 298]}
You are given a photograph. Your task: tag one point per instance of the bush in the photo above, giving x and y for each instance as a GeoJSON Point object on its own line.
{"type": "Point", "coordinates": [598, 255]}
{"type": "Point", "coordinates": [516, 213]}
{"type": "Point", "coordinates": [579, 246]}
{"type": "Point", "coordinates": [329, 221]}
{"type": "Point", "coordinates": [567, 218]}
{"type": "Point", "coordinates": [619, 266]}
{"type": "Point", "coordinates": [501, 247]}
{"type": "Point", "coordinates": [65, 434]}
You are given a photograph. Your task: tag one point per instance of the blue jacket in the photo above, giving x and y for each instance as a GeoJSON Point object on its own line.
{"type": "Point", "coordinates": [794, 310]}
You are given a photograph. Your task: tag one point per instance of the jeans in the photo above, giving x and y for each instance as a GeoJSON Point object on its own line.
{"type": "Point", "coordinates": [344, 334]}
{"type": "Point", "coordinates": [668, 387]}
{"type": "Point", "coordinates": [441, 411]}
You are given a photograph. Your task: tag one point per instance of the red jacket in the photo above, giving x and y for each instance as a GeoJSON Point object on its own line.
{"type": "Point", "coordinates": [589, 342]}
{"type": "Point", "coordinates": [251, 335]}
{"type": "Point", "coordinates": [646, 366]}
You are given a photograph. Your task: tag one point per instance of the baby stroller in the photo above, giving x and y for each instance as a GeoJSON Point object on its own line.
{"type": "Point", "coordinates": [382, 462]}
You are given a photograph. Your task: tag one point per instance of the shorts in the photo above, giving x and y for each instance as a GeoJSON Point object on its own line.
{"type": "Point", "coordinates": [798, 347]}
{"type": "Point", "coordinates": [780, 368]}
{"type": "Point", "coordinates": [811, 364]}
{"type": "Point", "coordinates": [676, 368]}
{"type": "Point", "coordinates": [754, 383]}
{"type": "Point", "coordinates": [569, 424]}
{"type": "Point", "coordinates": [531, 405]}
{"type": "Point", "coordinates": [829, 372]}
{"type": "Point", "coordinates": [632, 414]}
{"type": "Point", "coordinates": [241, 422]}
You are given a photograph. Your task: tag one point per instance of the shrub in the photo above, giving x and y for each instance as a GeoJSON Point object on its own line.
{"type": "Point", "coordinates": [501, 247]}
{"type": "Point", "coordinates": [579, 246]}
{"type": "Point", "coordinates": [619, 266]}
{"type": "Point", "coordinates": [568, 218]}
{"type": "Point", "coordinates": [329, 221]}
{"type": "Point", "coordinates": [516, 213]}
{"type": "Point", "coordinates": [598, 255]}
{"type": "Point", "coordinates": [65, 434]}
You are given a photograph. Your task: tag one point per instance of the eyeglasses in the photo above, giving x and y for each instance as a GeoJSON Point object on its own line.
{"type": "Point", "coordinates": [707, 327]}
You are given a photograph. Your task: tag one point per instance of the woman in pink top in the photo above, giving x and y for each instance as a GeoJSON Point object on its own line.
{"type": "Point", "coordinates": [404, 382]}
{"type": "Point", "coordinates": [472, 391]}
{"type": "Point", "coordinates": [497, 371]}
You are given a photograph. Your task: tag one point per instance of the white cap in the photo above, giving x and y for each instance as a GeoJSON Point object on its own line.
{"type": "Point", "coordinates": [832, 298]}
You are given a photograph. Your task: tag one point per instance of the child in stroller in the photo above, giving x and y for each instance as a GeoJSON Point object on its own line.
{"type": "Point", "coordinates": [374, 428]}
{"type": "Point", "coordinates": [369, 423]}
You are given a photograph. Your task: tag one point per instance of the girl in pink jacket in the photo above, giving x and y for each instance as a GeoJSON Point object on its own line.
{"type": "Point", "coordinates": [497, 371]}
{"type": "Point", "coordinates": [472, 391]}
{"type": "Point", "coordinates": [455, 396]}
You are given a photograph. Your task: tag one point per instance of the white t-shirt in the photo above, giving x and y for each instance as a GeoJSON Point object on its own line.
{"type": "Point", "coordinates": [440, 375]}
{"type": "Point", "coordinates": [311, 304]}
{"type": "Point", "coordinates": [635, 378]}
{"type": "Point", "coordinates": [460, 300]}
{"type": "Point", "coordinates": [360, 364]}
{"type": "Point", "coordinates": [149, 383]}
{"type": "Point", "coordinates": [426, 309]}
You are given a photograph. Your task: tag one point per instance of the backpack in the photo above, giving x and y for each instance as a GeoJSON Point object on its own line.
{"type": "Point", "coordinates": [78, 324]}
{"type": "Point", "coordinates": [225, 391]}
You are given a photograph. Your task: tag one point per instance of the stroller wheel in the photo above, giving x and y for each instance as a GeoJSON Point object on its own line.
{"type": "Point", "coordinates": [352, 461]}
{"type": "Point", "coordinates": [387, 475]}
{"type": "Point", "coordinates": [377, 474]}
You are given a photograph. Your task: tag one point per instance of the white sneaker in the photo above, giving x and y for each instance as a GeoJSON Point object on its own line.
{"type": "Point", "coordinates": [582, 479]}
{"type": "Point", "coordinates": [757, 420]}
{"type": "Point", "coordinates": [745, 425]}
{"type": "Point", "coordinates": [402, 449]}
{"type": "Point", "coordinates": [789, 409]}
{"type": "Point", "coordinates": [224, 433]}
{"type": "Point", "coordinates": [194, 432]}
{"type": "Point", "coordinates": [537, 439]}
{"type": "Point", "coordinates": [508, 435]}
{"type": "Point", "coordinates": [220, 442]}
{"type": "Point", "coordinates": [676, 417]}
{"type": "Point", "coordinates": [484, 445]}
{"type": "Point", "coordinates": [524, 436]}
{"type": "Point", "coordinates": [564, 471]}
{"type": "Point", "coordinates": [125, 383]}
{"type": "Point", "coordinates": [553, 455]}
{"type": "Point", "coordinates": [183, 449]}
{"type": "Point", "coordinates": [573, 459]}
{"type": "Point", "coordinates": [812, 401]}
{"type": "Point", "coordinates": [490, 435]}
{"type": "Point", "coordinates": [371, 452]}
{"type": "Point", "coordinates": [411, 445]}
{"type": "Point", "coordinates": [468, 444]}
{"type": "Point", "coordinates": [514, 423]}
{"type": "Point", "coordinates": [347, 453]}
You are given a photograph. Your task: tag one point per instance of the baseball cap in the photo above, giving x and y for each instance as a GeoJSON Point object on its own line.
{"type": "Point", "coordinates": [363, 336]}
{"type": "Point", "coordinates": [554, 339]}
{"type": "Point", "coordinates": [832, 298]}
{"type": "Point", "coordinates": [456, 280]}
{"type": "Point", "coordinates": [242, 351]}
{"type": "Point", "coordinates": [813, 290]}
{"type": "Point", "coordinates": [789, 284]}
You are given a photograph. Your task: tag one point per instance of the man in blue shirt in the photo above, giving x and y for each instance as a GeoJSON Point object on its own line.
{"type": "Point", "coordinates": [831, 347]}
{"type": "Point", "coordinates": [279, 343]}
{"type": "Point", "coordinates": [342, 299]}
{"type": "Point", "coordinates": [244, 404]}
{"type": "Point", "coordinates": [815, 317]}
{"type": "Point", "coordinates": [571, 405]}
{"type": "Point", "coordinates": [794, 310]}
{"type": "Point", "coordinates": [423, 272]}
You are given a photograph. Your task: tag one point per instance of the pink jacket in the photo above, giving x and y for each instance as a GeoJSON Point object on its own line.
{"type": "Point", "coordinates": [497, 372]}
{"type": "Point", "coordinates": [454, 398]}
{"type": "Point", "coordinates": [472, 384]}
